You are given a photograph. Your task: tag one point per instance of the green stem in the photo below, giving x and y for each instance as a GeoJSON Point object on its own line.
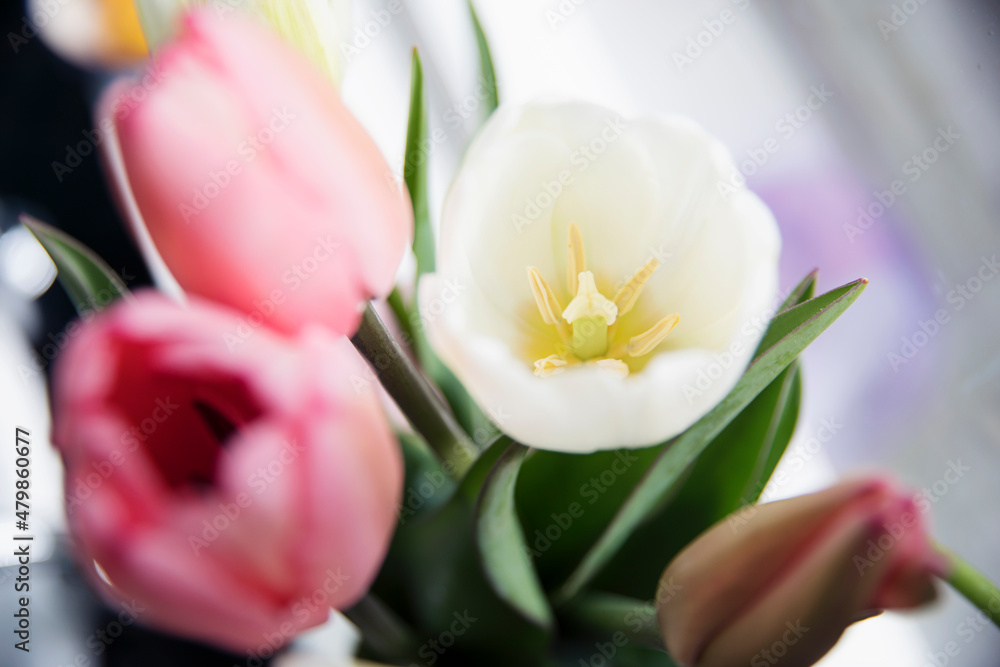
{"type": "Point", "coordinates": [972, 584]}
{"type": "Point", "coordinates": [395, 302]}
{"type": "Point", "coordinates": [413, 393]}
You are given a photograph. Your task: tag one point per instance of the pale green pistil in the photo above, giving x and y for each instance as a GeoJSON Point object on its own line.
{"type": "Point", "coordinates": [590, 313]}
{"type": "Point", "coordinates": [590, 337]}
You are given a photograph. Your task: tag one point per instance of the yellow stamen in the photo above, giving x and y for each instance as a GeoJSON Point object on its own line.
{"type": "Point", "coordinates": [629, 293]}
{"type": "Point", "coordinates": [576, 261]}
{"type": "Point", "coordinates": [616, 366]}
{"type": "Point", "coordinates": [548, 304]}
{"type": "Point", "coordinates": [549, 366]}
{"type": "Point", "coordinates": [587, 326]}
{"type": "Point", "coordinates": [645, 342]}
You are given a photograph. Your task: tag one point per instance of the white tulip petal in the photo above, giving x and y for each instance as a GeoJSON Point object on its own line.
{"type": "Point", "coordinates": [649, 199]}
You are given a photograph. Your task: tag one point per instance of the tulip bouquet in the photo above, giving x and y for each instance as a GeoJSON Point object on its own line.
{"type": "Point", "coordinates": [596, 376]}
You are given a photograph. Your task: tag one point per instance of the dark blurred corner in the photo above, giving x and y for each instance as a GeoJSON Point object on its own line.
{"type": "Point", "coordinates": [45, 109]}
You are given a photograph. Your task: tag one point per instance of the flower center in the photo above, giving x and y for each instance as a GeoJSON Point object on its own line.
{"type": "Point", "coordinates": [587, 325]}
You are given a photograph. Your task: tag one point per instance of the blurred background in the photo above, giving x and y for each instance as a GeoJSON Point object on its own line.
{"type": "Point", "coordinates": [870, 127]}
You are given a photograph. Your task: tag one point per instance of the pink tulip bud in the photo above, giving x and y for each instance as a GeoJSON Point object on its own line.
{"type": "Point", "coordinates": [782, 581]}
{"type": "Point", "coordinates": [229, 486]}
{"type": "Point", "coordinates": [254, 180]}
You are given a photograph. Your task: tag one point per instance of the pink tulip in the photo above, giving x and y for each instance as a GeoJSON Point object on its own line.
{"type": "Point", "coordinates": [255, 182]}
{"type": "Point", "coordinates": [233, 495]}
{"type": "Point", "coordinates": [784, 580]}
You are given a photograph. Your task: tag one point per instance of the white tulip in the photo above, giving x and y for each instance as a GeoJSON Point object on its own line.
{"type": "Point", "coordinates": [316, 27]}
{"type": "Point", "coordinates": [610, 279]}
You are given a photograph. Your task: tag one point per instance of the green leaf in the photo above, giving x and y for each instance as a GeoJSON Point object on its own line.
{"type": "Point", "coordinates": [429, 481]}
{"type": "Point", "coordinates": [89, 281]}
{"type": "Point", "coordinates": [415, 165]}
{"type": "Point", "coordinates": [800, 326]}
{"type": "Point", "coordinates": [434, 571]}
{"type": "Point", "coordinates": [796, 316]}
{"type": "Point", "coordinates": [566, 500]}
{"type": "Point", "coordinates": [636, 619]}
{"type": "Point", "coordinates": [728, 475]}
{"type": "Point", "coordinates": [562, 496]}
{"type": "Point", "coordinates": [415, 169]}
{"type": "Point", "coordinates": [489, 77]}
{"type": "Point", "coordinates": [466, 410]}
{"type": "Point", "coordinates": [501, 541]}
{"type": "Point", "coordinates": [780, 425]}
{"type": "Point", "coordinates": [475, 477]}
{"type": "Point", "coordinates": [802, 292]}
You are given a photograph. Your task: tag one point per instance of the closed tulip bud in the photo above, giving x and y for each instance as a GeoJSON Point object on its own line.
{"type": "Point", "coordinates": [782, 581]}
{"type": "Point", "coordinates": [315, 27]}
{"type": "Point", "coordinates": [240, 167]}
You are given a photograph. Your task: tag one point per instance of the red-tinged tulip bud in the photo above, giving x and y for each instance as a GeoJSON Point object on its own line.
{"type": "Point", "coordinates": [782, 581]}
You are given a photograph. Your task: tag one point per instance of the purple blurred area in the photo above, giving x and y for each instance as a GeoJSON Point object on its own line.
{"type": "Point", "coordinates": [824, 224]}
